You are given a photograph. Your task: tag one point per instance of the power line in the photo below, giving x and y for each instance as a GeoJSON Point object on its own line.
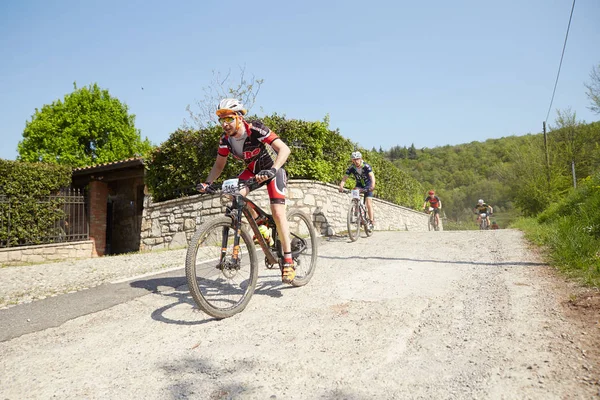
{"type": "Point", "coordinates": [561, 60]}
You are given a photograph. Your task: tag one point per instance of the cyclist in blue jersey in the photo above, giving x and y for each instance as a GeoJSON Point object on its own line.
{"type": "Point", "coordinates": [365, 179]}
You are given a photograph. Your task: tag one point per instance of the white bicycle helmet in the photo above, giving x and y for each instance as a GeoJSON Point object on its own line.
{"type": "Point", "coordinates": [233, 105]}
{"type": "Point", "coordinates": [356, 154]}
{"type": "Point", "coordinates": [480, 201]}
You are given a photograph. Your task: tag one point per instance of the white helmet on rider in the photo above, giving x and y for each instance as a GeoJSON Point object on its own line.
{"type": "Point", "coordinates": [231, 105]}
{"type": "Point", "coordinates": [356, 155]}
{"type": "Point", "coordinates": [480, 201]}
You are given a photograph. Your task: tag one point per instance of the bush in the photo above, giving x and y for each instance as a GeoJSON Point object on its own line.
{"type": "Point", "coordinates": [318, 153]}
{"type": "Point", "coordinates": [22, 186]}
{"type": "Point", "coordinates": [570, 230]}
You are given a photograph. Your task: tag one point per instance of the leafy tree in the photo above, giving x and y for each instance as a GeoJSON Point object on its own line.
{"type": "Point", "coordinates": [412, 152]}
{"type": "Point", "coordinates": [88, 127]}
{"type": "Point", "coordinates": [593, 89]}
{"type": "Point", "coordinates": [566, 136]}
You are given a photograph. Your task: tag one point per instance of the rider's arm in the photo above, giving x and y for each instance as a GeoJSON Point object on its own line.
{"type": "Point", "coordinates": [283, 151]}
{"type": "Point", "coordinates": [217, 168]}
{"type": "Point", "coordinates": [491, 209]}
{"type": "Point", "coordinates": [439, 203]}
{"type": "Point", "coordinates": [343, 182]}
{"type": "Point", "coordinates": [372, 176]}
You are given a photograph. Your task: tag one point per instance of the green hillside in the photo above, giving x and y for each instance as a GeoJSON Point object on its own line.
{"type": "Point", "coordinates": [510, 173]}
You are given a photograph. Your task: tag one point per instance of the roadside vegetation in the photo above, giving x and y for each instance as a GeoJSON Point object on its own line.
{"type": "Point", "coordinates": [569, 230]}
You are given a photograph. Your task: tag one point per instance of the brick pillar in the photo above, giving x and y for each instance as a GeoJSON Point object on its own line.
{"type": "Point", "coordinates": [98, 200]}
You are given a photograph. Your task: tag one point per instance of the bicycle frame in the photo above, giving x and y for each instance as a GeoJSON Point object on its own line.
{"type": "Point", "coordinates": [361, 204]}
{"type": "Point", "coordinates": [242, 206]}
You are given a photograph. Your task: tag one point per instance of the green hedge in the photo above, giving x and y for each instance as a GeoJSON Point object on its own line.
{"type": "Point", "coordinates": [24, 191]}
{"type": "Point", "coordinates": [317, 153]}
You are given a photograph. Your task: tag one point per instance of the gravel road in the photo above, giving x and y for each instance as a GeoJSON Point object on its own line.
{"type": "Point", "coordinates": [400, 315]}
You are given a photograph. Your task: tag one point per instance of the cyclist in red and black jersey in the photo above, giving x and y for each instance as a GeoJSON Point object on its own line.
{"type": "Point", "coordinates": [264, 154]}
{"type": "Point", "coordinates": [435, 203]}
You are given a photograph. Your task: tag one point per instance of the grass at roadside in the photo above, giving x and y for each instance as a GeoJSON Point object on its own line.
{"type": "Point", "coordinates": [569, 231]}
{"type": "Point", "coordinates": [567, 246]}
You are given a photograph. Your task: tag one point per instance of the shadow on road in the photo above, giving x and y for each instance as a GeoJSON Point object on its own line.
{"type": "Point", "coordinates": [179, 292]}
{"type": "Point", "coordinates": [505, 263]}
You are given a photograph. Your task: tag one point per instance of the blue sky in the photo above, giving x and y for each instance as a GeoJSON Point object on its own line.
{"type": "Point", "coordinates": [387, 72]}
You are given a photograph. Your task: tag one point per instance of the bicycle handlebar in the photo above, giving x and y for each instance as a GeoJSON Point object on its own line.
{"type": "Point", "coordinates": [213, 189]}
{"type": "Point", "coordinates": [361, 190]}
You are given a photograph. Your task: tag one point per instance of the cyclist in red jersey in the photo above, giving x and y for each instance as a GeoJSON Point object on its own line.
{"type": "Point", "coordinates": [435, 203]}
{"type": "Point", "coordinates": [264, 154]}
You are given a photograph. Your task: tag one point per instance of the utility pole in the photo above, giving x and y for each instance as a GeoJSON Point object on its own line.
{"type": "Point", "coordinates": [547, 156]}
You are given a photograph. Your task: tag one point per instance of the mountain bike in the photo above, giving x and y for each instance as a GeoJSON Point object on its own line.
{"type": "Point", "coordinates": [483, 225]}
{"type": "Point", "coordinates": [432, 222]}
{"type": "Point", "coordinates": [357, 215]}
{"type": "Point", "coordinates": [221, 263]}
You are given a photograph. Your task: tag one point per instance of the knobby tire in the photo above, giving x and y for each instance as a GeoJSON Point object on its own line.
{"type": "Point", "coordinates": [220, 293]}
{"type": "Point", "coordinates": [354, 221]}
{"type": "Point", "coordinates": [304, 246]}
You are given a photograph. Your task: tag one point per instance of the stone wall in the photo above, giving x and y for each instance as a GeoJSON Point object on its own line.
{"type": "Point", "coordinates": [46, 252]}
{"type": "Point", "coordinates": [170, 224]}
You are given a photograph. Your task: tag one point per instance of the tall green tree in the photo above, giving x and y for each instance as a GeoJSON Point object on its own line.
{"type": "Point", "coordinates": [87, 127]}
{"type": "Point", "coordinates": [593, 89]}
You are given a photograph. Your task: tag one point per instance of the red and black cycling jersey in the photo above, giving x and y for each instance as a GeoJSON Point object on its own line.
{"type": "Point", "coordinates": [435, 202]}
{"type": "Point", "coordinates": [253, 147]}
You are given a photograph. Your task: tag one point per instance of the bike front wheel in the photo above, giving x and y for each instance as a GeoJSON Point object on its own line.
{"type": "Point", "coordinates": [221, 279]}
{"type": "Point", "coordinates": [354, 221]}
{"type": "Point", "coordinates": [304, 246]}
{"type": "Point", "coordinates": [434, 223]}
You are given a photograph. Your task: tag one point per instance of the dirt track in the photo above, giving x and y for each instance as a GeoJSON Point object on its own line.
{"type": "Point", "coordinates": [449, 315]}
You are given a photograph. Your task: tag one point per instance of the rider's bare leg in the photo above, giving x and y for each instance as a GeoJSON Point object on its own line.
{"type": "Point", "coordinates": [369, 202]}
{"type": "Point", "coordinates": [280, 217]}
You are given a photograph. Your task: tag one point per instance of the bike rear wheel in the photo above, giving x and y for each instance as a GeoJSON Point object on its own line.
{"type": "Point", "coordinates": [220, 286]}
{"type": "Point", "coordinates": [354, 221]}
{"type": "Point", "coordinates": [365, 222]}
{"type": "Point", "coordinates": [304, 246]}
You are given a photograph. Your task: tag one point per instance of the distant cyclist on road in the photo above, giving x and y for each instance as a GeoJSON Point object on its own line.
{"type": "Point", "coordinates": [365, 179]}
{"type": "Point", "coordinates": [435, 203]}
{"type": "Point", "coordinates": [481, 208]}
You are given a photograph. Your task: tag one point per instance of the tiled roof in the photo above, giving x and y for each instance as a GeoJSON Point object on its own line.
{"type": "Point", "coordinates": [120, 163]}
{"type": "Point", "coordinates": [110, 166]}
